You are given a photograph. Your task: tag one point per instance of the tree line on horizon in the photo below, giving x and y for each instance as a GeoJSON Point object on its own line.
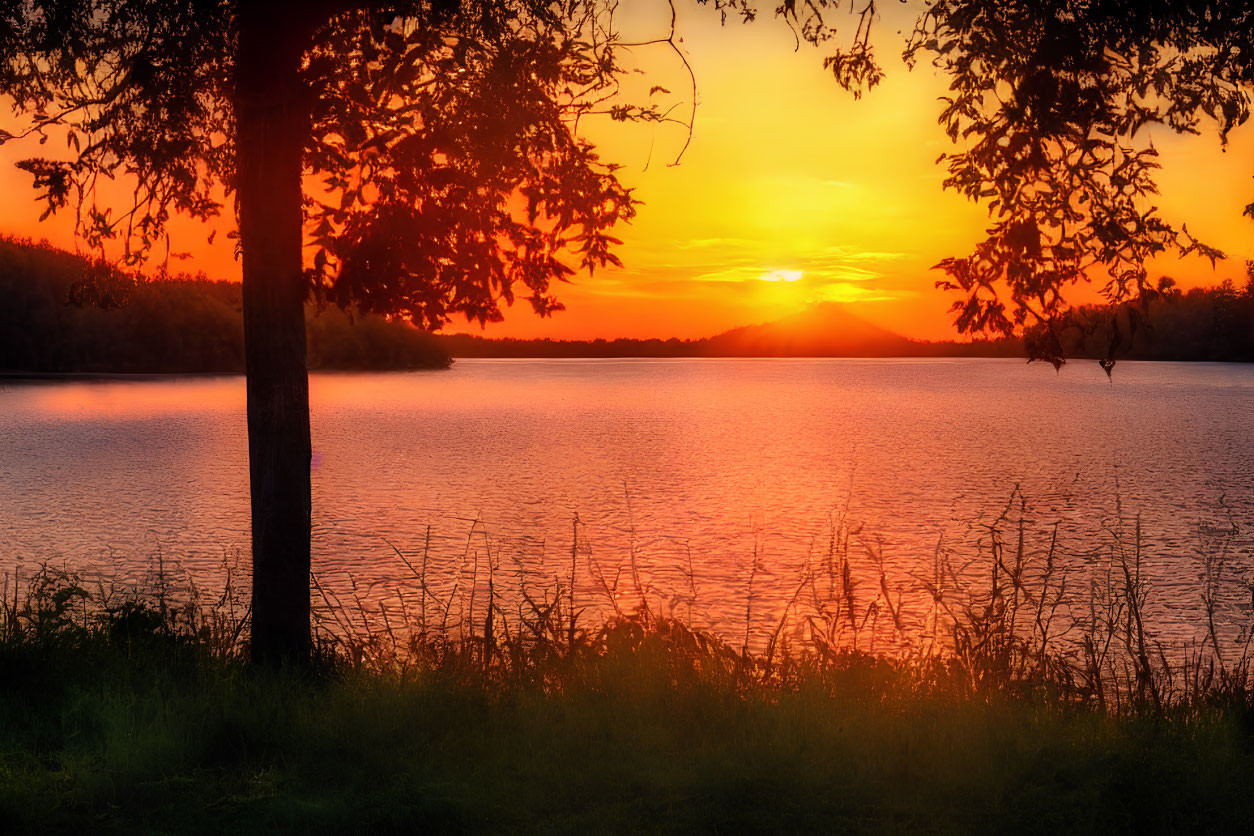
{"type": "Point", "coordinates": [52, 321]}
{"type": "Point", "coordinates": [192, 324]}
{"type": "Point", "coordinates": [1203, 324]}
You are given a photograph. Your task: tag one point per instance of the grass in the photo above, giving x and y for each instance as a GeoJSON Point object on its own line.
{"type": "Point", "coordinates": [132, 715]}
{"type": "Point", "coordinates": [1001, 694]}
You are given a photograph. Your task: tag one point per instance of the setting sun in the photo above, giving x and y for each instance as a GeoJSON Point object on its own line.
{"type": "Point", "coordinates": [781, 276]}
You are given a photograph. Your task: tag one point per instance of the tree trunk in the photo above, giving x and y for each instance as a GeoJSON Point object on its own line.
{"type": "Point", "coordinates": [271, 123]}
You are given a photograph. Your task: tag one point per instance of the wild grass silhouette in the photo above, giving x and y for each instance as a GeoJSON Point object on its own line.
{"type": "Point", "coordinates": [996, 708]}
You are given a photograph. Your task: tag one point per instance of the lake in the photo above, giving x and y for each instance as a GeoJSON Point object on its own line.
{"type": "Point", "coordinates": [706, 487]}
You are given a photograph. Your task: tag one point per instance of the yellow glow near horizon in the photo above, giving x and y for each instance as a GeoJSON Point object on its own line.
{"type": "Point", "coordinates": [788, 171]}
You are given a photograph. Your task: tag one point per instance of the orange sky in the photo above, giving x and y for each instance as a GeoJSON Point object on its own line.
{"type": "Point", "coordinates": [791, 193]}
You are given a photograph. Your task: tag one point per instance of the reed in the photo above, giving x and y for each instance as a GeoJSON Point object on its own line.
{"type": "Point", "coordinates": [993, 692]}
{"type": "Point", "coordinates": [1009, 619]}
{"type": "Point", "coordinates": [119, 719]}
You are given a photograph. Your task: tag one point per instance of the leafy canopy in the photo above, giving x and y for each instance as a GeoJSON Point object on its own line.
{"type": "Point", "coordinates": [444, 165]}
{"type": "Point", "coordinates": [1048, 99]}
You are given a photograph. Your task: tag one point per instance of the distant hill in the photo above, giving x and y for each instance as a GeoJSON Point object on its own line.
{"type": "Point", "coordinates": [1212, 323]}
{"type": "Point", "coordinates": [826, 330]}
{"type": "Point", "coordinates": [52, 322]}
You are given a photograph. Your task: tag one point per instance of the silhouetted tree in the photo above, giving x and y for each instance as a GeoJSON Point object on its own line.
{"type": "Point", "coordinates": [1048, 100]}
{"type": "Point", "coordinates": [428, 149]}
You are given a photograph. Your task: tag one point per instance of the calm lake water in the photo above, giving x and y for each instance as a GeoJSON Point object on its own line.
{"type": "Point", "coordinates": [691, 470]}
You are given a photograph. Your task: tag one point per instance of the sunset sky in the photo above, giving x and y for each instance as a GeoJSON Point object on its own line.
{"type": "Point", "coordinates": [790, 193]}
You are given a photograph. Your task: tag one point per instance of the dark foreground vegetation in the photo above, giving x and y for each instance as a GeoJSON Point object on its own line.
{"type": "Point", "coordinates": [128, 712]}
{"type": "Point", "coordinates": [60, 313]}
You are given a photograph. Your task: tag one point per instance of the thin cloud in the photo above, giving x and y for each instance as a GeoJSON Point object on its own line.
{"type": "Point", "coordinates": [852, 274]}
{"type": "Point", "coordinates": [706, 243]}
{"type": "Point", "coordinates": [845, 292]}
{"type": "Point", "coordinates": [731, 275]}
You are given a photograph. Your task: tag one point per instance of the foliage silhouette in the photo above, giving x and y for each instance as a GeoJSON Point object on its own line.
{"type": "Point", "coordinates": [1048, 102]}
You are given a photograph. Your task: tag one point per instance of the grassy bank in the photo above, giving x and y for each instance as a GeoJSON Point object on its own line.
{"type": "Point", "coordinates": [137, 716]}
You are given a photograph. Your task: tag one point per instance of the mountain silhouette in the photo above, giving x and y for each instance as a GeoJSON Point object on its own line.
{"type": "Point", "coordinates": [825, 330]}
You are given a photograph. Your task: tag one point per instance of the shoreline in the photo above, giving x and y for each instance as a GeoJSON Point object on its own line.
{"type": "Point", "coordinates": [68, 377]}
{"type": "Point", "coordinates": [86, 376]}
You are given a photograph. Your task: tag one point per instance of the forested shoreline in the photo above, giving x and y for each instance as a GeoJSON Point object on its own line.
{"type": "Point", "coordinates": [62, 314]}
{"type": "Point", "coordinates": [1210, 324]}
